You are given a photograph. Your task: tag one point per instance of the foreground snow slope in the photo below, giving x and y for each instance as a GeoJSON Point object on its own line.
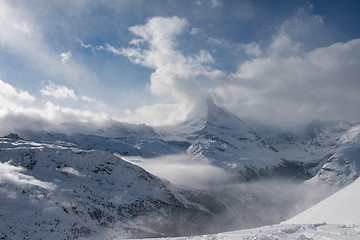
{"type": "Point", "coordinates": [286, 232]}
{"type": "Point", "coordinates": [340, 208]}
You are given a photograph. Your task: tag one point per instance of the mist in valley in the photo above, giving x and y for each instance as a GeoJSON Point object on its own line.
{"type": "Point", "coordinates": [231, 203]}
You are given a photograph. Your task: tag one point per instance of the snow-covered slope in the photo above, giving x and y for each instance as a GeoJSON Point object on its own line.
{"type": "Point", "coordinates": [221, 138]}
{"type": "Point", "coordinates": [63, 192]}
{"type": "Point", "coordinates": [340, 208]}
{"type": "Point", "coordinates": [125, 139]}
{"type": "Point", "coordinates": [216, 137]}
{"type": "Point", "coordinates": [285, 232]}
{"type": "Point", "coordinates": [72, 181]}
{"type": "Point", "coordinates": [343, 164]}
{"type": "Point", "coordinates": [330, 151]}
{"type": "Point", "coordinates": [51, 191]}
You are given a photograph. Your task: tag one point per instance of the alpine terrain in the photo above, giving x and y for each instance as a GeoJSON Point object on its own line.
{"type": "Point", "coordinates": [79, 180]}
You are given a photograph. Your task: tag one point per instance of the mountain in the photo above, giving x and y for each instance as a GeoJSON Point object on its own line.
{"type": "Point", "coordinates": [328, 150]}
{"type": "Point", "coordinates": [58, 192]}
{"type": "Point", "coordinates": [217, 137]}
{"type": "Point", "coordinates": [65, 192]}
{"type": "Point", "coordinates": [224, 140]}
{"type": "Point", "coordinates": [342, 165]}
{"type": "Point", "coordinates": [71, 181]}
{"type": "Point", "coordinates": [220, 138]}
{"type": "Point", "coordinates": [125, 139]}
{"type": "Point", "coordinates": [336, 217]}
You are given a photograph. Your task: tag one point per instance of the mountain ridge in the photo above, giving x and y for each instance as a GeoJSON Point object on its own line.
{"type": "Point", "coordinates": [215, 136]}
{"type": "Point", "coordinates": [46, 167]}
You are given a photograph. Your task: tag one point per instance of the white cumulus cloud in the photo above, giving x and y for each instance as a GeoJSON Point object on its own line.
{"type": "Point", "coordinates": [174, 78]}
{"type": "Point", "coordinates": [287, 90]}
{"type": "Point", "coordinates": [8, 92]}
{"type": "Point", "coordinates": [63, 92]}
{"type": "Point", "coordinates": [20, 110]}
{"type": "Point", "coordinates": [58, 91]}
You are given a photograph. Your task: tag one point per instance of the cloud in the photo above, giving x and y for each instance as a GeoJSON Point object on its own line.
{"type": "Point", "coordinates": [108, 47]}
{"type": "Point", "coordinates": [282, 46]}
{"type": "Point", "coordinates": [12, 174]}
{"type": "Point", "coordinates": [300, 31]}
{"type": "Point", "coordinates": [181, 169]}
{"type": "Point", "coordinates": [252, 49]}
{"type": "Point", "coordinates": [218, 42]}
{"type": "Point", "coordinates": [158, 114]}
{"type": "Point", "coordinates": [23, 37]}
{"type": "Point", "coordinates": [210, 3]}
{"type": "Point", "coordinates": [8, 92]}
{"type": "Point", "coordinates": [22, 27]}
{"type": "Point", "coordinates": [111, 49]}
{"type": "Point", "coordinates": [290, 90]}
{"type": "Point", "coordinates": [87, 99]}
{"type": "Point", "coordinates": [194, 31]}
{"type": "Point", "coordinates": [82, 44]}
{"type": "Point", "coordinates": [70, 170]}
{"type": "Point", "coordinates": [63, 92]}
{"type": "Point", "coordinates": [174, 78]}
{"type": "Point", "coordinates": [215, 3]}
{"type": "Point", "coordinates": [287, 84]}
{"type": "Point", "coordinates": [46, 117]}
{"type": "Point", "coordinates": [288, 78]}
{"type": "Point", "coordinates": [58, 91]}
{"type": "Point", "coordinates": [65, 57]}
{"type": "Point", "coordinates": [20, 110]}
{"type": "Point", "coordinates": [282, 83]}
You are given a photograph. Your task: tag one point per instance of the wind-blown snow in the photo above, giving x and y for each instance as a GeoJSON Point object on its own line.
{"type": "Point", "coordinates": [340, 208]}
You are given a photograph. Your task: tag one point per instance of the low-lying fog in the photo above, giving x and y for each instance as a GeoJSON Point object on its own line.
{"type": "Point", "coordinates": [182, 170]}
{"type": "Point", "coordinates": [266, 201]}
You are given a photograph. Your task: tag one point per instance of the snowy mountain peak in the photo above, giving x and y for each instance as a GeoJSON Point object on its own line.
{"type": "Point", "coordinates": [214, 111]}
{"type": "Point", "coordinates": [209, 112]}
{"type": "Point", "coordinates": [224, 140]}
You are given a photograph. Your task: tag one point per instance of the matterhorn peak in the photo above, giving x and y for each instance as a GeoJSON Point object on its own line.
{"type": "Point", "coordinates": [208, 111]}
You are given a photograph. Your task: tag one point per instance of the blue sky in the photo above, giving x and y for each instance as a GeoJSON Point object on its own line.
{"type": "Point", "coordinates": [277, 62]}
